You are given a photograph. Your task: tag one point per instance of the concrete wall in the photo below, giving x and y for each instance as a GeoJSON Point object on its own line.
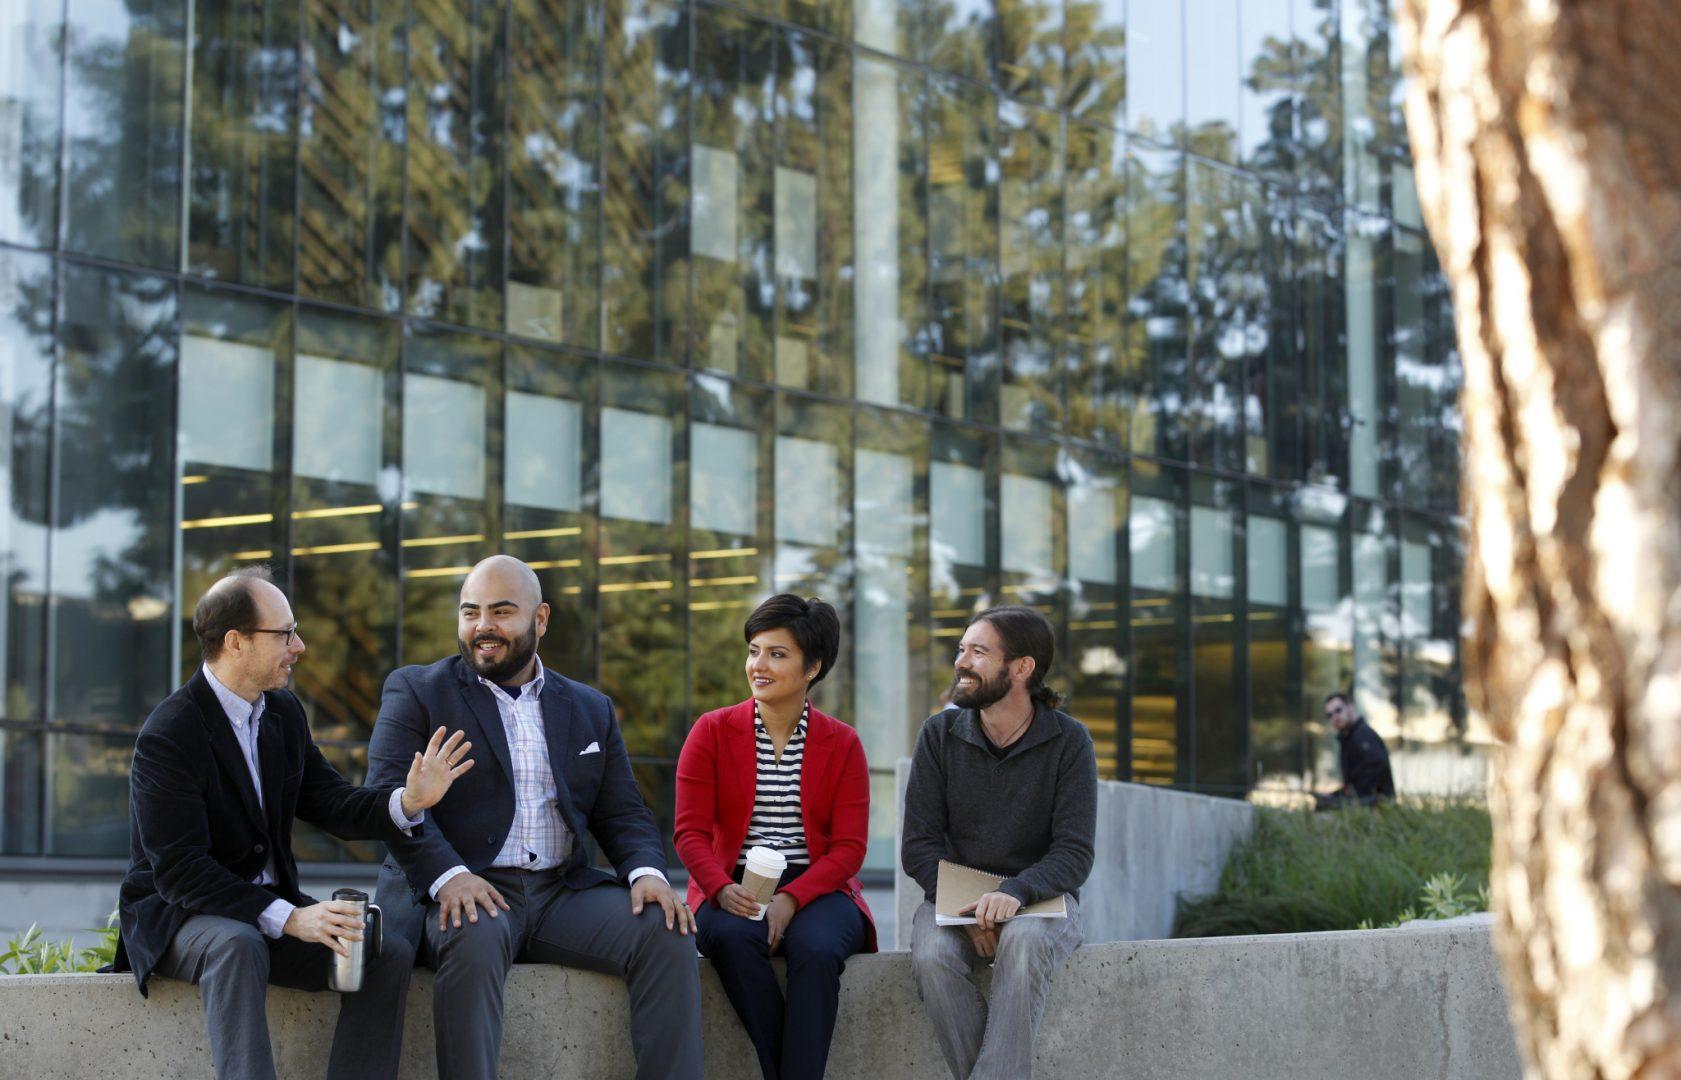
{"type": "Point", "coordinates": [1153, 846]}
{"type": "Point", "coordinates": [1380, 1004]}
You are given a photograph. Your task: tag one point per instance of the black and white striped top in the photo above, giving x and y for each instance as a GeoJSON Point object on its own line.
{"type": "Point", "coordinates": [776, 821]}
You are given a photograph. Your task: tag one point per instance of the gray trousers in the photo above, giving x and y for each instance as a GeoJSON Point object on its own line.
{"type": "Point", "coordinates": [981, 1042]}
{"type": "Point", "coordinates": [232, 964]}
{"type": "Point", "coordinates": [548, 923]}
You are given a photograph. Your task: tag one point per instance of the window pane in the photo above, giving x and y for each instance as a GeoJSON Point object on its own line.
{"type": "Point", "coordinates": [1220, 762]}
{"type": "Point", "coordinates": [1097, 54]}
{"type": "Point", "coordinates": [813, 523]}
{"type": "Point", "coordinates": [233, 355]}
{"type": "Point", "coordinates": [1212, 81]}
{"type": "Point", "coordinates": [88, 781]}
{"type": "Point", "coordinates": [113, 450]}
{"type": "Point", "coordinates": [352, 122]}
{"type": "Point", "coordinates": [1274, 723]}
{"type": "Point", "coordinates": [1096, 664]}
{"type": "Point", "coordinates": [1364, 276]}
{"type": "Point", "coordinates": [812, 203]}
{"type": "Point", "coordinates": [1155, 70]}
{"type": "Point", "coordinates": [448, 390]}
{"type": "Point", "coordinates": [1095, 342]}
{"type": "Point", "coordinates": [1227, 290]}
{"type": "Point", "coordinates": [554, 182]}
{"type": "Point", "coordinates": [645, 120]}
{"type": "Point", "coordinates": [960, 565]}
{"type": "Point", "coordinates": [890, 185]}
{"type": "Point", "coordinates": [1030, 49]}
{"type": "Point", "coordinates": [644, 661]}
{"type": "Point", "coordinates": [1158, 625]}
{"type": "Point", "coordinates": [548, 516]}
{"type": "Point", "coordinates": [21, 769]}
{"type": "Point", "coordinates": [31, 43]}
{"type": "Point", "coordinates": [730, 547]}
{"type": "Point", "coordinates": [123, 129]}
{"type": "Point", "coordinates": [1156, 357]}
{"type": "Point", "coordinates": [243, 185]}
{"type": "Point", "coordinates": [1327, 663]}
{"type": "Point", "coordinates": [889, 632]}
{"type": "Point", "coordinates": [1374, 631]}
{"type": "Point", "coordinates": [1268, 68]}
{"type": "Point", "coordinates": [26, 371]}
{"type": "Point", "coordinates": [963, 252]}
{"type": "Point", "coordinates": [345, 499]}
{"type": "Point", "coordinates": [456, 160]}
{"type": "Point", "coordinates": [1031, 291]}
{"type": "Point", "coordinates": [1318, 103]}
{"type": "Point", "coordinates": [635, 466]}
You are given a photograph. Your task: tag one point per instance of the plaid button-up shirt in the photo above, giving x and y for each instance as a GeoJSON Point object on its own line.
{"type": "Point", "coordinates": [539, 838]}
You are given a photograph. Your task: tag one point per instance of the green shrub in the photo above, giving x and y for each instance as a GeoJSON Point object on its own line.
{"type": "Point", "coordinates": [28, 954]}
{"type": "Point", "coordinates": [1300, 871]}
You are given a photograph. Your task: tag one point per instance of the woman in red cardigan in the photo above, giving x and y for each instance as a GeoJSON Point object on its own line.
{"type": "Point", "coordinates": [775, 772]}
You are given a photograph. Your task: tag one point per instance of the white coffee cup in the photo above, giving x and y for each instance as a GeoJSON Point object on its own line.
{"type": "Point", "coordinates": [761, 874]}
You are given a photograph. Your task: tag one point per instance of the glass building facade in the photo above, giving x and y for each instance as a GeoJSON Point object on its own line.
{"type": "Point", "coordinates": [1119, 309]}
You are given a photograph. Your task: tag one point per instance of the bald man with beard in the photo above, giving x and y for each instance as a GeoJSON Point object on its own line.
{"type": "Point", "coordinates": [503, 875]}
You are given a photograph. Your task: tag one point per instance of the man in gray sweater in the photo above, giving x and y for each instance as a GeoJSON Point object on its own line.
{"type": "Point", "coordinates": [1001, 781]}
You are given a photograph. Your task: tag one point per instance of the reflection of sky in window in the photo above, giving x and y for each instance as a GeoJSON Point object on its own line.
{"type": "Point", "coordinates": [1264, 32]}
{"type": "Point", "coordinates": [1152, 539]}
{"type": "Point", "coordinates": [1211, 64]}
{"type": "Point", "coordinates": [1155, 68]}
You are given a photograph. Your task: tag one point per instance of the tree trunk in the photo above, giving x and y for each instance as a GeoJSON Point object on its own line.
{"type": "Point", "coordinates": [1547, 138]}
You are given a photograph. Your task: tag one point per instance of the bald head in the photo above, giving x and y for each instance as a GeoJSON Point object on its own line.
{"type": "Point", "coordinates": [501, 618]}
{"type": "Point", "coordinates": [506, 574]}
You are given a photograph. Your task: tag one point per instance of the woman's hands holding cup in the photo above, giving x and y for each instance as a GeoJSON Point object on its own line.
{"type": "Point", "coordinates": [737, 901]}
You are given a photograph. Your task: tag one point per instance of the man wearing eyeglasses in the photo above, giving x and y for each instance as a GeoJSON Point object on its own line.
{"type": "Point", "coordinates": [221, 769]}
{"type": "Point", "coordinates": [1364, 759]}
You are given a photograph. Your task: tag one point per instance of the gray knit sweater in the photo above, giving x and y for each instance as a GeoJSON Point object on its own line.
{"type": "Point", "coordinates": [1029, 815]}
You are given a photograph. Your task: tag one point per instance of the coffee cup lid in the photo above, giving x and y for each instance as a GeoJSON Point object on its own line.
{"type": "Point", "coordinates": [768, 856]}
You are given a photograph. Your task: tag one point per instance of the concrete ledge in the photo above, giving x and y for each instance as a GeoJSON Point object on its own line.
{"type": "Point", "coordinates": [1376, 1004]}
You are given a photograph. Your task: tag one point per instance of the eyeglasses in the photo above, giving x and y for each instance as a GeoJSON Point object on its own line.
{"type": "Point", "coordinates": [291, 632]}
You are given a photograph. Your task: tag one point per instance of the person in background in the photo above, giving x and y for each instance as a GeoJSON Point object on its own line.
{"type": "Point", "coordinates": [1363, 758]}
{"type": "Point", "coordinates": [773, 771]}
{"type": "Point", "coordinates": [1001, 781]}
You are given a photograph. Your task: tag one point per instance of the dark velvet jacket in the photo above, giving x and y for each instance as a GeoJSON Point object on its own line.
{"type": "Point", "coordinates": [597, 792]}
{"type": "Point", "coordinates": [197, 835]}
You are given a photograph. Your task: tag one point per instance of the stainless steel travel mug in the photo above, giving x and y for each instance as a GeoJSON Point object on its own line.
{"type": "Point", "coordinates": [346, 976]}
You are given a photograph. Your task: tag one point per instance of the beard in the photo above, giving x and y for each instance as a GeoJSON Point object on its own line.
{"type": "Point", "coordinates": [985, 692]}
{"type": "Point", "coordinates": [516, 653]}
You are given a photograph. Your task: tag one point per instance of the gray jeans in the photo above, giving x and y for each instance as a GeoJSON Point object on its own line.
{"type": "Point", "coordinates": [981, 1042]}
{"type": "Point", "coordinates": [233, 964]}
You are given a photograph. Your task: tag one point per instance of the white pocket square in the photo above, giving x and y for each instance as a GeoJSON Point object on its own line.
{"type": "Point", "coordinates": [592, 748]}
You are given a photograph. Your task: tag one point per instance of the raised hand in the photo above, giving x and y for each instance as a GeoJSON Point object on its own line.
{"type": "Point", "coordinates": [432, 772]}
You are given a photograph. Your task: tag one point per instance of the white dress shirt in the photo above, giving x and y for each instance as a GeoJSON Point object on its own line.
{"type": "Point", "coordinates": [539, 838]}
{"type": "Point", "coordinates": [244, 715]}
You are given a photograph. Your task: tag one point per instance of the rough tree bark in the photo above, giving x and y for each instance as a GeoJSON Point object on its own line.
{"type": "Point", "coordinates": [1547, 137]}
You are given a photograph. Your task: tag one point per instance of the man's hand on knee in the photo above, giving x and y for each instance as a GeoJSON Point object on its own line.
{"type": "Point", "coordinates": [652, 888]}
{"type": "Point", "coordinates": [330, 923]}
{"type": "Point", "coordinates": [985, 941]}
{"type": "Point", "coordinates": [466, 894]}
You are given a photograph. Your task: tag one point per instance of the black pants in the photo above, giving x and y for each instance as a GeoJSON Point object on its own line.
{"type": "Point", "coordinates": [792, 1033]}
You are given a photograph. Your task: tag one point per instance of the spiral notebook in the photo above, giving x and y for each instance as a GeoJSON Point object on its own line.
{"type": "Point", "coordinates": [959, 886]}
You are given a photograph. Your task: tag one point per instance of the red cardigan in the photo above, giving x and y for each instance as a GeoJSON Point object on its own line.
{"type": "Point", "coordinates": [716, 778]}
